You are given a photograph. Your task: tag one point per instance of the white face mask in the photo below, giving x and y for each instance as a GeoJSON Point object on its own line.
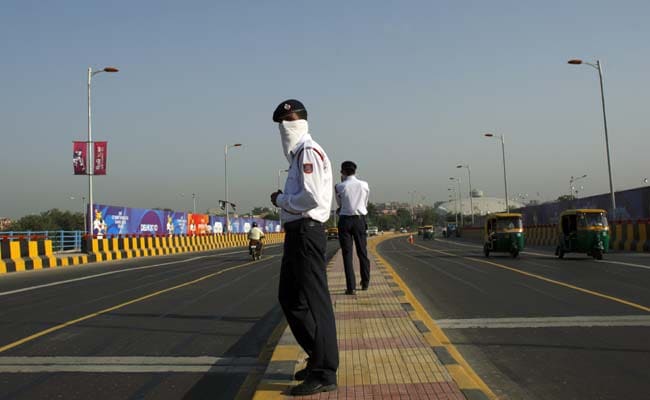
{"type": "Point", "coordinates": [290, 133]}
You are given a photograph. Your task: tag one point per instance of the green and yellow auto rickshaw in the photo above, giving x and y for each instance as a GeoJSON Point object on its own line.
{"type": "Point", "coordinates": [427, 232]}
{"type": "Point", "coordinates": [504, 232]}
{"type": "Point", "coordinates": [583, 231]}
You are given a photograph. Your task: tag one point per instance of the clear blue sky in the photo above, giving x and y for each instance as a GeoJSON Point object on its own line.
{"type": "Point", "coordinates": [404, 88]}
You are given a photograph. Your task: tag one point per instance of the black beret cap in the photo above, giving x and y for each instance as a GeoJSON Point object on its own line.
{"type": "Point", "coordinates": [287, 107]}
{"type": "Point", "coordinates": [349, 166]}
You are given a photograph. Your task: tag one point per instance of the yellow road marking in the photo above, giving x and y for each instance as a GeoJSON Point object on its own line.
{"type": "Point", "coordinates": [545, 279]}
{"type": "Point", "coordinates": [468, 380]}
{"type": "Point", "coordinates": [252, 381]}
{"type": "Point", "coordinates": [117, 307]}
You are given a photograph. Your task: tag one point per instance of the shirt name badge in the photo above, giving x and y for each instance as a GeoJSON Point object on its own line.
{"type": "Point", "coordinates": [308, 168]}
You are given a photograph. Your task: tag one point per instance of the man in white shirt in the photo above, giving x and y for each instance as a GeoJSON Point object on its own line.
{"type": "Point", "coordinates": [352, 197]}
{"type": "Point", "coordinates": [303, 292]}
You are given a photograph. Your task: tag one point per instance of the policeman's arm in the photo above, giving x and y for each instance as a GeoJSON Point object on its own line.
{"type": "Point", "coordinates": [337, 190]}
{"type": "Point", "coordinates": [310, 168]}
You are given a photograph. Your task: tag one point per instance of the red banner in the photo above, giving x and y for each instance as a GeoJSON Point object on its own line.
{"type": "Point", "coordinates": [99, 154]}
{"type": "Point", "coordinates": [79, 157]}
{"type": "Point", "coordinates": [197, 224]}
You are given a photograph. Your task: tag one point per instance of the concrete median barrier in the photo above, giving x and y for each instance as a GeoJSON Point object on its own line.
{"type": "Point", "coordinates": [625, 235]}
{"type": "Point", "coordinates": [25, 254]}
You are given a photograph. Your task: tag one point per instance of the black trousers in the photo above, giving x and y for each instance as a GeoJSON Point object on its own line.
{"type": "Point", "coordinates": [305, 298]}
{"type": "Point", "coordinates": [353, 229]}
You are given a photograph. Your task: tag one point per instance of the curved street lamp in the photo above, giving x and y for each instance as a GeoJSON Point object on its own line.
{"type": "Point", "coordinates": [89, 149]}
{"type": "Point", "coordinates": [469, 175]}
{"type": "Point", "coordinates": [503, 154]}
{"type": "Point", "coordinates": [598, 67]}
{"type": "Point", "coordinates": [460, 198]}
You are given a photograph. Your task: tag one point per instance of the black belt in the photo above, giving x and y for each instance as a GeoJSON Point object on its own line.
{"type": "Point", "coordinates": [298, 222]}
{"type": "Point", "coordinates": [352, 216]}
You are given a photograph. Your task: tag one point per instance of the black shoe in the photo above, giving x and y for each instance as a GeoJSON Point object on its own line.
{"type": "Point", "coordinates": [311, 387]}
{"type": "Point", "coordinates": [364, 286]}
{"type": "Point", "coordinates": [351, 292]}
{"type": "Point", "coordinates": [302, 374]}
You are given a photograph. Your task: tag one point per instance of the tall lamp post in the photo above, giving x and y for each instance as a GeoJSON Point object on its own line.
{"type": "Point", "coordinates": [89, 150]}
{"type": "Point", "coordinates": [225, 157]}
{"type": "Point", "coordinates": [574, 179]}
{"type": "Point", "coordinates": [412, 204]}
{"type": "Point", "coordinates": [598, 67]}
{"type": "Point", "coordinates": [469, 175]}
{"type": "Point", "coordinates": [503, 154]}
{"type": "Point", "coordinates": [453, 196]}
{"type": "Point", "coordinates": [460, 198]}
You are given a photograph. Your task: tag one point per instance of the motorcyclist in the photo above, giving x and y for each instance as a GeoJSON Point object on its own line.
{"type": "Point", "coordinates": [255, 236]}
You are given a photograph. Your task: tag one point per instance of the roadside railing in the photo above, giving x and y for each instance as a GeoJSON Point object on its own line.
{"type": "Point", "coordinates": [62, 241]}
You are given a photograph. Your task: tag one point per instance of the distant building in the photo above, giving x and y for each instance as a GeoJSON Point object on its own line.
{"type": "Point", "coordinates": [482, 205]}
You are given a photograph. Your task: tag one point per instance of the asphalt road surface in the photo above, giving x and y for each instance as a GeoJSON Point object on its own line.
{"type": "Point", "coordinates": [188, 326]}
{"type": "Point", "coordinates": [537, 327]}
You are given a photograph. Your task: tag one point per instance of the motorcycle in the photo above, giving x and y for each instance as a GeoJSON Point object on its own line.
{"type": "Point", "coordinates": [255, 250]}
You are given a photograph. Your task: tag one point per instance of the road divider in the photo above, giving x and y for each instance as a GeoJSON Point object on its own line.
{"type": "Point", "coordinates": [33, 254]}
{"type": "Point", "coordinates": [626, 235]}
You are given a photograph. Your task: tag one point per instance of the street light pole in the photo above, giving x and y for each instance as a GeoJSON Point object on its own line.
{"type": "Point", "coordinates": [505, 177]}
{"type": "Point", "coordinates": [599, 68]}
{"type": "Point", "coordinates": [456, 206]}
{"type": "Point", "coordinates": [194, 203]}
{"type": "Point", "coordinates": [412, 204]}
{"type": "Point", "coordinates": [89, 148]}
{"type": "Point", "coordinates": [225, 157]}
{"type": "Point", "coordinates": [469, 175]}
{"type": "Point", "coordinates": [460, 199]}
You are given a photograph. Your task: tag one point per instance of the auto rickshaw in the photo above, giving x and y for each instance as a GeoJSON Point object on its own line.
{"type": "Point", "coordinates": [504, 232]}
{"type": "Point", "coordinates": [427, 232]}
{"type": "Point", "coordinates": [583, 231]}
{"type": "Point", "coordinates": [420, 230]}
{"type": "Point", "coordinates": [332, 233]}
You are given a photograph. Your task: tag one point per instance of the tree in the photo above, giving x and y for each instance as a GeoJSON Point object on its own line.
{"type": "Point", "coordinates": [261, 210]}
{"type": "Point", "coordinates": [566, 197]}
{"type": "Point", "coordinates": [272, 215]}
{"type": "Point", "coordinates": [51, 220]}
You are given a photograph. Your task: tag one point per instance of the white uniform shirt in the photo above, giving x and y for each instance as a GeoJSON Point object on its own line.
{"type": "Point", "coordinates": [308, 189]}
{"type": "Point", "coordinates": [352, 196]}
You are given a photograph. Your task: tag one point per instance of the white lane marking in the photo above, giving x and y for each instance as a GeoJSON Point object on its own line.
{"type": "Point", "coordinates": [623, 263]}
{"type": "Point", "coordinates": [203, 364]}
{"type": "Point", "coordinates": [83, 278]}
{"type": "Point", "coordinates": [481, 247]}
{"type": "Point", "coordinates": [545, 322]}
{"type": "Point", "coordinates": [553, 256]}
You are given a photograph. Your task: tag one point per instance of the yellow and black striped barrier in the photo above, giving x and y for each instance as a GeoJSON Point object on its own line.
{"type": "Point", "coordinates": [624, 235]}
{"type": "Point", "coordinates": [29, 254]}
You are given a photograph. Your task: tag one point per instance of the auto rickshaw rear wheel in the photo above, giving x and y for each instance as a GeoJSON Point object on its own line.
{"type": "Point", "coordinates": [560, 252]}
{"type": "Point", "coordinates": [486, 250]}
{"type": "Point", "coordinates": [598, 254]}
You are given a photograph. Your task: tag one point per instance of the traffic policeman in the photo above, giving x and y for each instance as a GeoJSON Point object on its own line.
{"type": "Point", "coordinates": [303, 291]}
{"type": "Point", "coordinates": [352, 198]}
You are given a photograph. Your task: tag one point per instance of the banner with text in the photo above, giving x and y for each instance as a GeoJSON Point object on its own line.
{"type": "Point", "coordinates": [79, 157]}
{"type": "Point", "coordinates": [116, 220]}
{"type": "Point", "coordinates": [99, 155]}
